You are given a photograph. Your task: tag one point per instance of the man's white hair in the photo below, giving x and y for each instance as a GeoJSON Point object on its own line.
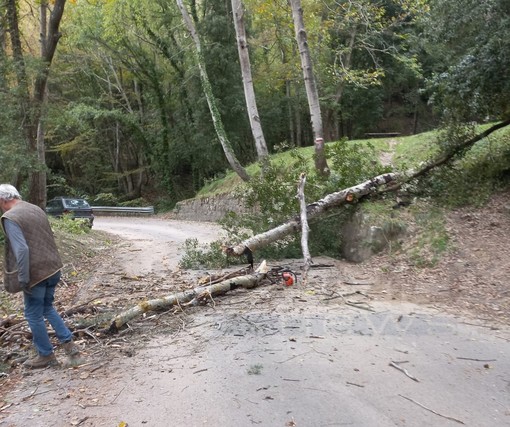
{"type": "Point", "coordinates": [9, 192]}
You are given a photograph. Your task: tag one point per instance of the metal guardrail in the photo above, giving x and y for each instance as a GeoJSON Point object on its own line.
{"type": "Point", "coordinates": [122, 211]}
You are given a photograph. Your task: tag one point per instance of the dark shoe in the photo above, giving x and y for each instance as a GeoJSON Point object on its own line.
{"type": "Point", "coordinates": [40, 362]}
{"type": "Point", "coordinates": [71, 349]}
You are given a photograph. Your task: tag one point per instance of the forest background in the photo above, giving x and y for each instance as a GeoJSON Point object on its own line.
{"type": "Point", "coordinates": [106, 100]}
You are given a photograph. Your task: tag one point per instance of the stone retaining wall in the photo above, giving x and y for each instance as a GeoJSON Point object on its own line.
{"type": "Point", "coordinates": [211, 208]}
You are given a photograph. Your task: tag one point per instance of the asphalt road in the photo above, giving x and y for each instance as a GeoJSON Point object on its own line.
{"type": "Point", "coordinates": [155, 246]}
{"type": "Point", "coordinates": [287, 362]}
{"type": "Point", "coordinates": [301, 368]}
{"type": "Point", "coordinates": [310, 366]}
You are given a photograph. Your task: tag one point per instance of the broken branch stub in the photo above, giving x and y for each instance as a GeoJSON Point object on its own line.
{"type": "Point", "coordinates": [304, 227]}
{"type": "Point", "coordinates": [348, 195]}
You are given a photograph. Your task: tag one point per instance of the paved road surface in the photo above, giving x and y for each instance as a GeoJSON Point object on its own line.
{"type": "Point", "coordinates": [155, 245]}
{"type": "Point", "coordinates": [281, 364]}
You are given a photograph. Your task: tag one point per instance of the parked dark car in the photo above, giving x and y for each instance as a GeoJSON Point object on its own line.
{"type": "Point", "coordinates": [77, 208]}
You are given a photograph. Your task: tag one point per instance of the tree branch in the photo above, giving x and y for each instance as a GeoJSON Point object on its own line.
{"type": "Point", "coordinates": [304, 227]}
{"type": "Point", "coordinates": [392, 181]}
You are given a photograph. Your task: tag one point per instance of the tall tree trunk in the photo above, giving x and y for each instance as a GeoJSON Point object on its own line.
{"type": "Point", "coordinates": [299, 124]}
{"type": "Point", "coordinates": [290, 113]}
{"type": "Point", "coordinates": [3, 31]}
{"type": "Point", "coordinates": [249, 92]}
{"type": "Point", "coordinates": [311, 87]}
{"type": "Point", "coordinates": [50, 37]}
{"type": "Point", "coordinates": [37, 176]}
{"type": "Point", "coordinates": [215, 114]}
{"type": "Point", "coordinates": [32, 108]}
{"type": "Point", "coordinates": [415, 119]}
{"type": "Point", "coordinates": [21, 78]}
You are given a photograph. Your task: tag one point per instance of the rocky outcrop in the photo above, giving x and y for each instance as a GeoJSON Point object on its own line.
{"type": "Point", "coordinates": [361, 238]}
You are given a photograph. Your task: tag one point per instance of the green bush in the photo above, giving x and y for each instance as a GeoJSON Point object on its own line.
{"type": "Point", "coordinates": [57, 186]}
{"type": "Point", "coordinates": [471, 179]}
{"type": "Point", "coordinates": [208, 256]}
{"type": "Point", "coordinates": [70, 225]}
{"type": "Point", "coordinates": [351, 163]}
{"type": "Point", "coordinates": [135, 203]}
{"type": "Point", "coordinates": [164, 205]}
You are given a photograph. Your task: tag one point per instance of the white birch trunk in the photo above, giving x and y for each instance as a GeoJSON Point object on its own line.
{"type": "Point", "coordinates": [249, 92]}
{"type": "Point", "coordinates": [311, 87]}
{"type": "Point", "coordinates": [304, 228]}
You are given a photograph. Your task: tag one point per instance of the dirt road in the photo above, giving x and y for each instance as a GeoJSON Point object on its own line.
{"type": "Point", "coordinates": [273, 356]}
{"type": "Point", "coordinates": [154, 246]}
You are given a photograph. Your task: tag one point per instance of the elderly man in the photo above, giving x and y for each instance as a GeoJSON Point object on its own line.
{"type": "Point", "coordinates": [32, 264]}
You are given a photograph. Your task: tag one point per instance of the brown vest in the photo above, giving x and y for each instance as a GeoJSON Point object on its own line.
{"type": "Point", "coordinates": [44, 259]}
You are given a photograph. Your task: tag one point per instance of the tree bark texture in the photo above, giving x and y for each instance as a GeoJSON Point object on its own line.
{"type": "Point", "coordinates": [249, 91]}
{"type": "Point", "coordinates": [304, 227]}
{"type": "Point", "coordinates": [206, 84]}
{"type": "Point", "coordinates": [198, 293]}
{"type": "Point", "coordinates": [311, 87]}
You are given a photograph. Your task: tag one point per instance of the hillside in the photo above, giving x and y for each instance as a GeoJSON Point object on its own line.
{"type": "Point", "coordinates": [470, 278]}
{"type": "Point", "coordinates": [469, 273]}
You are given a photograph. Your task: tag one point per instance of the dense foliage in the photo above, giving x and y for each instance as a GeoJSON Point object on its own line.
{"type": "Point", "coordinates": [126, 113]}
{"type": "Point", "coordinates": [474, 83]}
{"type": "Point", "coordinates": [273, 194]}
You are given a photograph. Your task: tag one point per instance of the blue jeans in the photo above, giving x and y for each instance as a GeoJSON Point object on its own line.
{"type": "Point", "coordinates": [39, 306]}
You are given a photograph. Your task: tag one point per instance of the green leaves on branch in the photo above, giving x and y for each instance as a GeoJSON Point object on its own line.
{"type": "Point", "coordinates": [273, 196]}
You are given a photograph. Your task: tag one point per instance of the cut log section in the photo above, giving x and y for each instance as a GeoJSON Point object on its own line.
{"type": "Point", "coordinates": [197, 294]}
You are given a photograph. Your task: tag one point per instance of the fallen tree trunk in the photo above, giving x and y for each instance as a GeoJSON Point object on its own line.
{"type": "Point", "coordinates": [313, 210]}
{"type": "Point", "coordinates": [197, 294]}
{"type": "Point", "coordinates": [349, 195]}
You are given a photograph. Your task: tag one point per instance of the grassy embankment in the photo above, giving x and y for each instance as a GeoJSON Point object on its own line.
{"type": "Point", "coordinates": [469, 180]}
